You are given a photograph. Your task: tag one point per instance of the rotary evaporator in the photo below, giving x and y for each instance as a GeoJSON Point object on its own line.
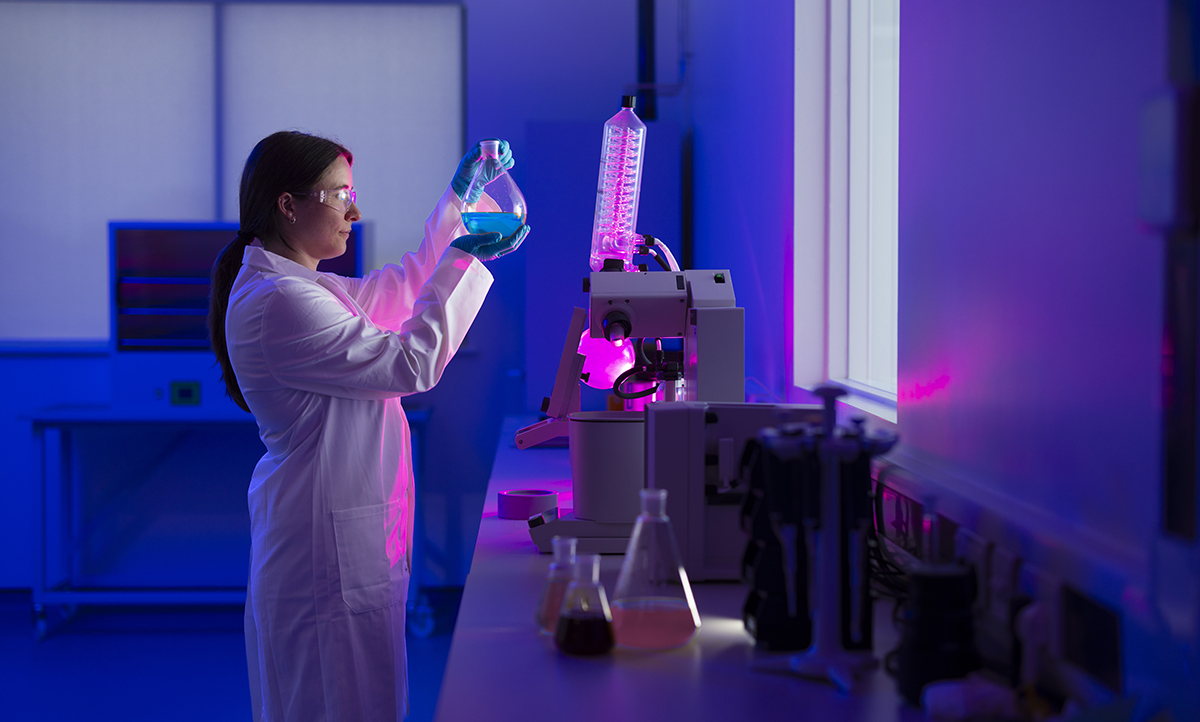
{"type": "Point", "coordinates": [617, 343]}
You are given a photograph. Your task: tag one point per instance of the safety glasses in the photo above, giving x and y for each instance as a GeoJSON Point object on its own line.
{"type": "Point", "coordinates": [340, 200]}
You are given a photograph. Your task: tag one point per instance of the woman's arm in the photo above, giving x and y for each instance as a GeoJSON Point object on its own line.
{"type": "Point", "coordinates": [388, 294]}
{"type": "Point", "coordinates": [314, 343]}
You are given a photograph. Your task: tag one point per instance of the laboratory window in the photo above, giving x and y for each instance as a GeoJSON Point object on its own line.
{"type": "Point", "coordinates": [844, 274]}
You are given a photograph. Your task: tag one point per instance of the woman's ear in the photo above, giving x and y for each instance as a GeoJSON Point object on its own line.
{"type": "Point", "coordinates": [287, 206]}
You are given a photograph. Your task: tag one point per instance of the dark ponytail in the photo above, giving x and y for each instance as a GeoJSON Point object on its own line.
{"type": "Point", "coordinates": [223, 272]}
{"type": "Point", "coordinates": [284, 162]}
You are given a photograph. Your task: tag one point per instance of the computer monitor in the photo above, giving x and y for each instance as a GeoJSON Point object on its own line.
{"type": "Point", "coordinates": [159, 279]}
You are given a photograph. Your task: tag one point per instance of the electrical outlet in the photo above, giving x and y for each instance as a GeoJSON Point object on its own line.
{"type": "Point", "coordinates": [972, 549]}
{"type": "Point", "coordinates": [903, 521]}
{"type": "Point", "coordinates": [185, 393]}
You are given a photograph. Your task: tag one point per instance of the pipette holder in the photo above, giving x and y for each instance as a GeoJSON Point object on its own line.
{"type": "Point", "coordinates": [780, 463]}
{"type": "Point", "coordinates": [834, 523]}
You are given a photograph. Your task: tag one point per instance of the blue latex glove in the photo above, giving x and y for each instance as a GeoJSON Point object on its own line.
{"type": "Point", "coordinates": [490, 246]}
{"type": "Point", "coordinates": [470, 164]}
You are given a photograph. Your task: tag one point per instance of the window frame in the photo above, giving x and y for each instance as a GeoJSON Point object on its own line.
{"type": "Point", "coordinates": [844, 235]}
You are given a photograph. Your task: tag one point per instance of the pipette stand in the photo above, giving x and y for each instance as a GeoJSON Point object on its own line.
{"type": "Point", "coordinates": [827, 657]}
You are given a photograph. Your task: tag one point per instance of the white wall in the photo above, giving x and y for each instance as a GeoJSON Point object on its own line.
{"type": "Point", "coordinates": [109, 112]}
{"type": "Point", "coordinates": [101, 108]}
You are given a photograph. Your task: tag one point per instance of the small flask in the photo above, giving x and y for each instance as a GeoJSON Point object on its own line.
{"type": "Point", "coordinates": [493, 203]}
{"type": "Point", "coordinates": [653, 607]}
{"type": "Point", "coordinates": [585, 622]}
{"type": "Point", "coordinates": [557, 579]}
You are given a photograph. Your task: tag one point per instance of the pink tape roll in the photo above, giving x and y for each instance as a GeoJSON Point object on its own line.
{"type": "Point", "coordinates": [524, 503]}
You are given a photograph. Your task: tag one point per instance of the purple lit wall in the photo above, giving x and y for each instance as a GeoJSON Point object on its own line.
{"type": "Point", "coordinates": [741, 106]}
{"type": "Point", "coordinates": [1030, 293]}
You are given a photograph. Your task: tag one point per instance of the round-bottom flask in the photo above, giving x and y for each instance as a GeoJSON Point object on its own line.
{"type": "Point", "coordinates": [493, 202]}
{"type": "Point", "coordinates": [585, 622]}
{"type": "Point", "coordinates": [557, 579]}
{"type": "Point", "coordinates": [653, 607]}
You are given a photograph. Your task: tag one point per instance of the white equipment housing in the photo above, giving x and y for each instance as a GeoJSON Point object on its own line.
{"type": "Point", "coordinates": [694, 450]}
{"type": "Point", "coordinates": [697, 306]}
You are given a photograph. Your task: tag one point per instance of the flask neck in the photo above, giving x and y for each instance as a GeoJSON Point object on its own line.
{"type": "Point", "coordinates": [654, 502]}
{"type": "Point", "coordinates": [490, 148]}
{"type": "Point", "coordinates": [587, 570]}
{"type": "Point", "coordinates": [564, 550]}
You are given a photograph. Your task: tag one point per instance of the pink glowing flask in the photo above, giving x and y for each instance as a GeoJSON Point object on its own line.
{"type": "Point", "coordinates": [604, 360]}
{"type": "Point", "coordinates": [652, 605]}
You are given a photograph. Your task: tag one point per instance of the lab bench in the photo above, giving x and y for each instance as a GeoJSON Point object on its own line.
{"type": "Point", "coordinates": [501, 668]}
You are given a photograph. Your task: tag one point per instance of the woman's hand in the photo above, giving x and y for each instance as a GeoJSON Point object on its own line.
{"type": "Point", "coordinates": [470, 164]}
{"type": "Point", "coordinates": [490, 246]}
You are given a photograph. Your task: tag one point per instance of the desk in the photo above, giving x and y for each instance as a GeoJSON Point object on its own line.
{"type": "Point", "coordinates": [140, 507]}
{"type": "Point", "coordinates": [148, 506]}
{"type": "Point", "coordinates": [500, 668]}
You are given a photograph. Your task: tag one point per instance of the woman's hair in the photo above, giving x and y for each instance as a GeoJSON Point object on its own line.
{"type": "Point", "coordinates": [284, 162]}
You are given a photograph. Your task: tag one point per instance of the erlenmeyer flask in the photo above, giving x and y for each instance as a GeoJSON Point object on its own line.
{"type": "Point", "coordinates": [493, 201]}
{"type": "Point", "coordinates": [557, 579]}
{"type": "Point", "coordinates": [585, 622]}
{"type": "Point", "coordinates": [652, 605]}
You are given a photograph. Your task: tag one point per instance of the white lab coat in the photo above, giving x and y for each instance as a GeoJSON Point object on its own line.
{"type": "Point", "coordinates": [322, 361]}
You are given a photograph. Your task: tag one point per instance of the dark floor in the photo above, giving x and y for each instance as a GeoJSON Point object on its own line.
{"type": "Point", "coordinates": [159, 663]}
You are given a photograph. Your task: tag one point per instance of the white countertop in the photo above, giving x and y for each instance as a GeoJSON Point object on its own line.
{"type": "Point", "coordinates": [501, 668]}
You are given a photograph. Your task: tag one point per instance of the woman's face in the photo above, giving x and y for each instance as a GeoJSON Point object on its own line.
{"type": "Point", "coordinates": [321, 229]}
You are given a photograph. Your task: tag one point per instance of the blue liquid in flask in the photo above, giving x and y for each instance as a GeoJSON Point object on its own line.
{"type": "Point", "coordinates": [503, 223]}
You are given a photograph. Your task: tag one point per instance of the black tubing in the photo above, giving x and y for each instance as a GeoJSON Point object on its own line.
{"type": "Point", "coordinates": [636, 394]}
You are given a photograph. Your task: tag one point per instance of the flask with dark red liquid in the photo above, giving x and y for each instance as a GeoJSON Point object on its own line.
{"type": "Point", "coordinates": [585, 622]}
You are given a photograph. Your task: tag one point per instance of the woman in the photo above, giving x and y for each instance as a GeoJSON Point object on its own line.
{"type": "Point", "coordinates": [322, 361]}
